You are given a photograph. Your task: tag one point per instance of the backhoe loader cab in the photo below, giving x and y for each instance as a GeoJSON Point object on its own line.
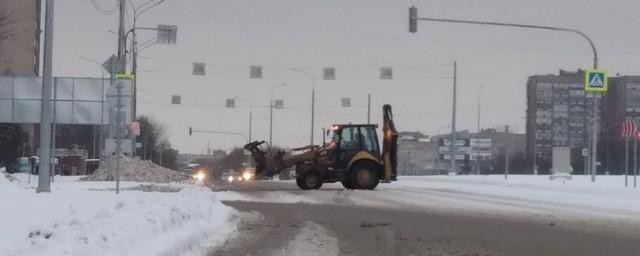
{"type": "Point", "coordinates": [353, 157]}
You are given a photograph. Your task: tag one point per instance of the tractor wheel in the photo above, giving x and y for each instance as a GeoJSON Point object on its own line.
{"type": "Point", "coordinates": [365, 176]}
{"type": "Point", "coordinates": [309, 180]}
{"type": "Point", "coordinates": [347, 183]}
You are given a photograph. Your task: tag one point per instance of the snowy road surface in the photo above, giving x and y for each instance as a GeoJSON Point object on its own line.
{"type": "Point", "coordinates": [438, 216]}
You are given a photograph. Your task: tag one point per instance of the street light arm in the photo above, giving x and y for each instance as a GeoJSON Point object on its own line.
{"type": "Point", "coordinates": [313, 79]}
{"type": "Point", "coordinates": [272, 91]}
{"type": "Point", "coordinates": [132, 30]}
{"type": "Point", "coordinates": [490, 23]}
{"type": "Point", "coordinates": [148, 7]}
{"type": "Point", "coordinates": [245, 101]}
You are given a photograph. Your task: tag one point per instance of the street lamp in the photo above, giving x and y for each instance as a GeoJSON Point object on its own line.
{"type": "Point", "coordinates": [101, 105]}
{"type": "Point", "coordinates": [250, 113]}
{"type": "Point", "coordinates": [137, 11]}
{"type": "Point", "coordinates": [271, 112]}
{"type": "Point", "coordinates": [413, 28]}
{"type": "Point", "coordinates": [313, 97]}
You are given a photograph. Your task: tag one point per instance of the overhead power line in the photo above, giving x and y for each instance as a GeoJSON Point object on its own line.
{"type": "Point", "coordinates": [102, 10]}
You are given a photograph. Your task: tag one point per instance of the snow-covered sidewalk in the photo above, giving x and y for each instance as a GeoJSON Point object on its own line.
{"type": "Point", "coordinates": [607, 193]}
{"type": "Point", "coordinates": [88, 218]}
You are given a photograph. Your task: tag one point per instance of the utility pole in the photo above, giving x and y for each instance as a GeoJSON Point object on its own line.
{"type": "Point", "coordinates": [369, 108]}
{"type": "Point", "coordinates": [313, 107]}
{"type": "Point", "coordinates": [271, 122]}
{"type": "Point", "coordinates": [506, 155]}
{"type": "Point", "coordinates": [44, 182]}
{"type": "Point", "coordinates": [250, 124]}
{"type": "Point", "coordinates": [478, 130]}
{"type": "Point", "coordinates": [453, 119]}
{"type": "Point", "coordinates": [121, 38]}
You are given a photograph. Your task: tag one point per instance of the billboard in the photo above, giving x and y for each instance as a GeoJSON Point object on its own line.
{"type": "Point", "coordinates": [462, 148]}
{"type": "Point", "coordinates": [466, 149]}
{"type": "Point", "coordinates": [75, 100]}
{"type": "Point", "coordinates": [20, 38]}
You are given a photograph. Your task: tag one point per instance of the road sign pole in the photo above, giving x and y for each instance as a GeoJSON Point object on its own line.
{"type": "Point", "coordinates": [596, 82]}
{"type": "Point", "coordinates": [635, 158]}
{"type": "Point", "coordinates": [626, 160]}
{"type": "Point", "coordinates": [119, 129]}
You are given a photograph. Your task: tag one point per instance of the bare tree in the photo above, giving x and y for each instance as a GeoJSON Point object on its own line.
{"type": "Point", "coordinates": [5, 22]}
{"type": "Point", "coordinates": [152, 135]}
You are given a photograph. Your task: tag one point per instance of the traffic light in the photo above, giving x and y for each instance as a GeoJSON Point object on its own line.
{"type": "Point", "coordinates": [190, 131]}
{"type": "Point", "coordinates": [413, 19]}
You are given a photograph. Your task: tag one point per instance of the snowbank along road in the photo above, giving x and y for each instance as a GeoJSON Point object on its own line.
{"type": "Point", "coordinates": [436, 216]}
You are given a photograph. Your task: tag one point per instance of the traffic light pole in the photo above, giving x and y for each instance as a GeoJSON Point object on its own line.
{"type": "Point", "coordinates": [413, 28]}
{"type": "Point", "coordinates": [192, 131]}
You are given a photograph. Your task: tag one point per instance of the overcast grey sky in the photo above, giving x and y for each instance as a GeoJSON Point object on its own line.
{"type": "Point", "coordinates": [356, 37]}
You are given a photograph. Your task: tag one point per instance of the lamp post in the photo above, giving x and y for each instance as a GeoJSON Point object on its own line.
{"type": "Point", "coordinates": [137, 11]}
{"type": "Point", "coordinates": [413, 28]}
{"type": "Point", "coordinates": [44, 181]}
{"type": "Point", "coordinates": [271, 112]}
{"type": "Point", "coordinates": [313, 98]}
{"type": "Point", "coordinates": [102, 71]}
{"type": "Point", "coordinates": [250, 114]}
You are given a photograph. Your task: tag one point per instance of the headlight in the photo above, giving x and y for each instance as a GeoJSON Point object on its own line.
{"type": "Point", "coordinates": [200, 176]}
{"type": "Point", "coordinates": [230, 179]}
{"type": "Point", "coordinates": [247, 176]}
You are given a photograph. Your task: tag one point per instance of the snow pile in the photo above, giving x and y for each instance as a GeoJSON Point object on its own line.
{"type": "Point", "coordinates": [7, 183]}
{"type": "Point", "coordinates": [76, 218]}
{"type": "Point", "coordinates": [133, 169]}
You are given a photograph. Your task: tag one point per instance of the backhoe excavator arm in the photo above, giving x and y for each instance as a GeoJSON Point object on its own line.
{"type": "Point", "coordinates": [269, 166]}
{"type": "Point", "coordinates": [389, 144]}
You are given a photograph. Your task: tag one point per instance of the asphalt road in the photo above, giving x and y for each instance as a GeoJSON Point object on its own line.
{"type": "Point", "coordinates": [339, 227]}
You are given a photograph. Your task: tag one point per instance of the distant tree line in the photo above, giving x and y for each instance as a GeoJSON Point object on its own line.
{"type": "Point", "coordinates": [155, 144]}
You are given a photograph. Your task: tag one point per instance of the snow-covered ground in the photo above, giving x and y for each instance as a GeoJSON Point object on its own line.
{"type": "Point", "coordinates": [88, 218]}
{"type": "Point", "coordinates": [606, 193]}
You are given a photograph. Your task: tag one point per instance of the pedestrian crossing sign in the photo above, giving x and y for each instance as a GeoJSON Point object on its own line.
{"type": "Point", "coordinates": [596, 80]}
